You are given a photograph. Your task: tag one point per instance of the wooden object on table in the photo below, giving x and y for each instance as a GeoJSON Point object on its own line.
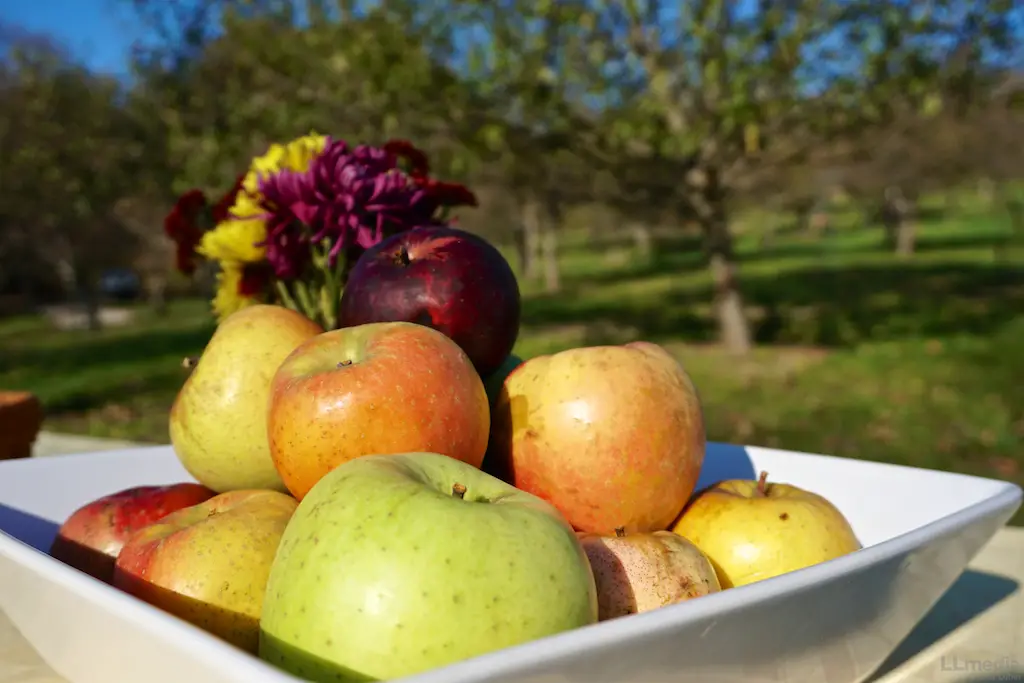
{"type": "Point", "coordinates": [21, 418]}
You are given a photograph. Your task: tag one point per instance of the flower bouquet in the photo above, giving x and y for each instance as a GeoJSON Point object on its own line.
{"type": "Point", "coordinates": [291, 228]}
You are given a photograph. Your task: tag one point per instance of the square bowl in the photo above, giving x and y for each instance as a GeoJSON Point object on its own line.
{"type": "Point", "coordinates": [834, 622]}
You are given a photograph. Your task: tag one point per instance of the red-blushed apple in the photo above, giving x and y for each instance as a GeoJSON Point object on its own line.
{"type": "Point", "coordinates": [374, 389]}
{"type": "Point", "coordinates": [612, 436]}
{"type": "Point", "coordinates": [93, 535]}
{"type": "Point", "coordinates": [442, 277]}
{"type": "Point", "coordinates": [208, 564]}
{"type": "Point", "coordinates": [637, 573]}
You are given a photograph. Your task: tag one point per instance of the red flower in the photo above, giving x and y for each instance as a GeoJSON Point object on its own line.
{"type": "Point", "coordinates": [182, 226]}
{"type": "Point", "coordinates": [254, 280]}
{"type": "Point", "coordinates": [448, 194]}
{"type": "Point", "coordinates": [419, 165]}
{"type": "Point", "coordinates": [222, 209]}
{"type": "Point", "coordinates": [441, 193]}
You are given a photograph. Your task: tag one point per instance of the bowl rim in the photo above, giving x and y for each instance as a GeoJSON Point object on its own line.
{"type": "Point", "coordinates": [1006, 498]}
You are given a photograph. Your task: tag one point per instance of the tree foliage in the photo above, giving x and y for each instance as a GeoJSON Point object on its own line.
{"type": "Point", "coordinates": [662, 113]}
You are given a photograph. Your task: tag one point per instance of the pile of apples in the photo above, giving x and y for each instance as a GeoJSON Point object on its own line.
{"type": "Point", "coordinates": [402, 493]}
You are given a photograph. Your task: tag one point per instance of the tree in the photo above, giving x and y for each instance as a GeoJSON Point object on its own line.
{"type": "Point", "coordinates": [712, 93]}
{"type": "Point", "coordinates": [70, 152]}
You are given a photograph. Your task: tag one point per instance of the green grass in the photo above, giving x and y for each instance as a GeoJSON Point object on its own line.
{"type": "Point", "coordinates": [860, 355]}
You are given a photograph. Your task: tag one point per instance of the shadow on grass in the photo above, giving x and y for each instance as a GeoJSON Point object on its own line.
{"type": "Point", "coordinates": [684, 252]}
{"type": "Point", "coordinates": [81, 371]}
{"type": "Point", "coordinates": [112, 391]}
{"type": "Point", "coordinates": [123, 347]}
{"type": "Point", "coordinates": [820, 305]}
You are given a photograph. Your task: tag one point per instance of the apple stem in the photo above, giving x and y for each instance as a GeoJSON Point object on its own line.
{"type": "Point", "coordinates": [458, 490]}
{"type": "Point", "coordinates": [620, 531]}
{"type": "Point", "coordinates": [403, 257]}
{"type": "Point", "coordinates": [762, 484]}
{"type": "Point", "coordinates": [189, 362]}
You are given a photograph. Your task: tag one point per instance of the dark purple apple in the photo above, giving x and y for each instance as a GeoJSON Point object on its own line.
{"type": "Point", "coordinates": [442, 277]}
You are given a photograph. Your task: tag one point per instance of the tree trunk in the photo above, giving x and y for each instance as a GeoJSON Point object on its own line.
{"type": "Point", "coordinates": [986, 190]}
{"type": "Point", "coordinates": [530, 239]}
{"type": "Point", "coordinates": [899, 216]}
{"type": "Point", "coordinates": [708, 201]}
{"type": "Point", "coordinates": [733, 326]}
{"type": "Point", "coordinates": [91, 303]}
{"type": "Point", "coordinates": [1014, 207]}
{"type": "Point", "coordinates": [906, 237]}
{"type": "Point", "coordinates": [156, 293]}
{"type": "Point", "coordinates": [549, 247]}
{"type": "Point", "coordinates": [642, 242]}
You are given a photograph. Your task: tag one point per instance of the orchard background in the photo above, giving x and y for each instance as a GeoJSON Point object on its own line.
{"type": "Point", "coordinates": [817, 205]}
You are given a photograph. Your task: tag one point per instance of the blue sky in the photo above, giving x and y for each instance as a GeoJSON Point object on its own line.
{"type": "Point", "coordinates": [99, 32]}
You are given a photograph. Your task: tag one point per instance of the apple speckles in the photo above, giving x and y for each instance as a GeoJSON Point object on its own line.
{"type": "Point", "coordinates": [642, 572]}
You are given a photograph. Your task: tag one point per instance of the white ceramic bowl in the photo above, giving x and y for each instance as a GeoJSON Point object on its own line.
{"type": "Point", "coordinates": [831, 623]}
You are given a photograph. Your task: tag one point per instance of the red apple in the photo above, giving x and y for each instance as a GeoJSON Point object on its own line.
{"type": "Point", "coordinates": [380, 388]}
{"type": "Point", "coordinates": [612, 436]}
{"type": "Point", "coordinates": [91, 538]}
{"type": "Point", "coordinates": [442, 277]}
{"type": "Point", "coordinates": [208, 564]}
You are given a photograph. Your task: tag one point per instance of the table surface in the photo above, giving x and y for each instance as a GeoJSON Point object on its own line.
{"type": "Point", "coordinates": [975, 634]}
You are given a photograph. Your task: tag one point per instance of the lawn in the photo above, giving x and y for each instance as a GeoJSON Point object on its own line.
{"type": "Point", "coordinates": [918, 362]}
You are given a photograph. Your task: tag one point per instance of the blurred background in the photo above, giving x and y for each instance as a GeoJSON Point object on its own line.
{"type": "Point", "coordinates": [817, 205]}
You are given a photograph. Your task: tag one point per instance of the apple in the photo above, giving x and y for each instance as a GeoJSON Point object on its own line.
{"type": "Point", "coordinates": [218, 422]}
{"type": "Point", "coordinates": [754, 530]}
{"type": "Point", "coordinates": [612, 436]}
{"type": "Point", "coordinates": [374, 389]}
{"type": "Point", "coordinates": [208, 564]}
{"type": "Point", "coordinates": [395, 564]}
{"type": "Point", "coordinates": [640, 572]}
{"type": "Point", "coordinates": [443, 277]}
{"type": "Point", "coordinates": [492, 385]}
{"type": "Point", "coordinates": [494, 381]}
{"type": "Point", "coordinates": [93, 535]}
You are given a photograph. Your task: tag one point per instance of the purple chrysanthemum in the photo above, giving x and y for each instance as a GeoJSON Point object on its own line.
{"type": "Point", "coordinates": [352, 197]}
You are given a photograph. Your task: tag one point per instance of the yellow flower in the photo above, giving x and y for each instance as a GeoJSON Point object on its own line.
{"type": "Point", "coordinates": [229, 297]}
{"type": "Point", "coordinates": [295, 156]}
{"type": "Point", "coordinates": [234, 240]}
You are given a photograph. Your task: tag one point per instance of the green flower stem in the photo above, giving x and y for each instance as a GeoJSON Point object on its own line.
{"type": "Point", "coordinates": [328, 307]}
{"type": "Point", "coordinates": [305, 300]}
{"type": "Point", "coordinates": [333, 283]}
{"type": "Point", "coordinates": [286, 297]}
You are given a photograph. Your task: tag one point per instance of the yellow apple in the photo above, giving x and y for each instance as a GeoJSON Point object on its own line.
{"type": "Point", "coordinates": [754, 530]}
{"type": "Point", "coordinates": [639, 572]}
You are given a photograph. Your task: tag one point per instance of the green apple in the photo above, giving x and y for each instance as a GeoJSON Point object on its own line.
{"type": "Point", "coordinates": [493, 384]}
{"type": "Point", "coordinates": [494, 381]}
{"type": "Point", "coordinates": [396, 564]}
